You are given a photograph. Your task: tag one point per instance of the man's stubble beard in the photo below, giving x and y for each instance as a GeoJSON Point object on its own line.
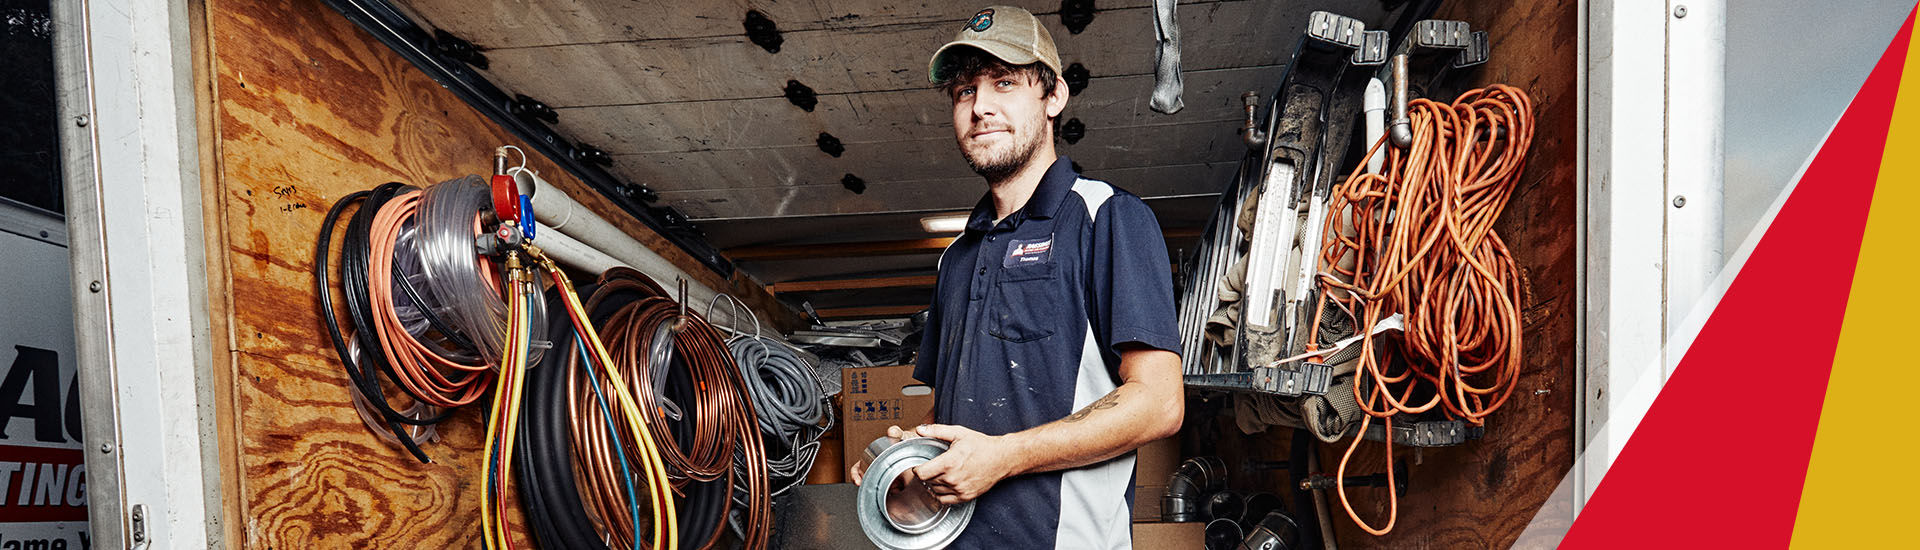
{"type": "Point", "coordinates": [1000, 168]}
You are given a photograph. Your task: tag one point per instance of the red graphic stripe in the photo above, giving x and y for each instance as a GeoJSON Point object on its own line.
{"type": "Point", "coordinates": [1719, 460]}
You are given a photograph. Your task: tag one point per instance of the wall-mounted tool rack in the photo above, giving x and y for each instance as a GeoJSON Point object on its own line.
{"type": "Point", "coordinates": [1296, 153]}
{"type": "Point", "coordinates": [1288, 176]}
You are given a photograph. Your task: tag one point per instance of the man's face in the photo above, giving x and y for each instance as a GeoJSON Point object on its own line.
{"type": "Point", "coordinates": [999, 121]}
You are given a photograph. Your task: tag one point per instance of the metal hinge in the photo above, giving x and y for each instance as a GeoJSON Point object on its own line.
{"type": "Point", "coordinates": [138, 520]}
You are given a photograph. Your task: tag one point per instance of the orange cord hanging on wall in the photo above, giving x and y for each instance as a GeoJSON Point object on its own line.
{"type": "Point", "coordinates": [1420, 242]}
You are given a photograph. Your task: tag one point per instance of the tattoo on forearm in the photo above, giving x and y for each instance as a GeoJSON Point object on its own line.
{"type": "Point", "coordinates": [1109, 401]}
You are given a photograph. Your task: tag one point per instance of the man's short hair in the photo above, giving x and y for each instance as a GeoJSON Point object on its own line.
{"type": "Point", "coordinates": [964, 65]}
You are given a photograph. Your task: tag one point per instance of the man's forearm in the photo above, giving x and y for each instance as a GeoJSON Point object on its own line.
{"type": "Point", "coordinates": [1147, 406]}
{"type": "Point", "coordinates": [1130, 416]}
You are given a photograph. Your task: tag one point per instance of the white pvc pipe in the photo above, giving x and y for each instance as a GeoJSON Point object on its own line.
{"type": "Point", "coordinates": [571, 252]}
{"type": "Point", "coordinates": [562, 218]}
{"type": "Point", "coordinates": [1374, 104]}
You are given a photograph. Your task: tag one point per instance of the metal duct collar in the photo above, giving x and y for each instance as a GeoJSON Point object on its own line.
{"type": "Point", "coordinates": [900, 515]}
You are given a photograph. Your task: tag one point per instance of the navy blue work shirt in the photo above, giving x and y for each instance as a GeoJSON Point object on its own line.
{"type": "Point", "coordinates": [1028, 317]}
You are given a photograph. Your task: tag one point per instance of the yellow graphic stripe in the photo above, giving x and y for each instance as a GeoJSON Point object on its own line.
{"type": "Point", "coordinates": [1861, 488]}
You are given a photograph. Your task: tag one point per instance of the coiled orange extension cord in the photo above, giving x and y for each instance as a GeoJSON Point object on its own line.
{"type": "Point", "coordinates": [1421, 244]}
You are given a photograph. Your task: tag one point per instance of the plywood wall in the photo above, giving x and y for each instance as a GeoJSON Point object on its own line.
{"type": "Point", "coordinates": [1486, 493]}
{"type": "Point", "coordinates": [303, 108]}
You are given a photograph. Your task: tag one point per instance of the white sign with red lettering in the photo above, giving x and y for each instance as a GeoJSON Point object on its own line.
{"type": "Point", "coordinates": [43, 477]}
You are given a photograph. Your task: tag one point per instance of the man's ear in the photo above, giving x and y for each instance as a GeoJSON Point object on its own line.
{"type": "Point", "coordinates": [1057, 102]}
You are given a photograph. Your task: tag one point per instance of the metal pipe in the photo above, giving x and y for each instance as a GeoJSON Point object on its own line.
{"type": "Point", "coordinates": [1402, 131]}
{"type": "Point", "coordinates": [1254, 136]}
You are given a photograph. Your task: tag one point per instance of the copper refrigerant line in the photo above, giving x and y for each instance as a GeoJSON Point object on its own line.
{"type": "Point", "coordinates": [1419, 242]}
{"type": "Point", "coordinates": [625, 420]}
{"type": "Point", "coordinates": [648, 336]}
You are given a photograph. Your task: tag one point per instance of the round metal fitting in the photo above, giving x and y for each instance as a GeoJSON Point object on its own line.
{"type": "Point", "coordinates": [1680, 201]}
{"type": "Point", "coordinates": [1225, 505]}
{"type": "Point", "coordinates": [896, 510]}
{"type": "Point", "coordinates": [1224, 534]}
{"type": "Point", "coordinates": [1274, 531]}
{"type": "Point", "coordinates": [1680, 12]}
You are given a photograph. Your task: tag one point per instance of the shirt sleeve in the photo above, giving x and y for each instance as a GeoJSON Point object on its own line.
{"type": "Point", "coordinates": [928, 357]}
{"type": "Point", "coordinates": [1132, 279]}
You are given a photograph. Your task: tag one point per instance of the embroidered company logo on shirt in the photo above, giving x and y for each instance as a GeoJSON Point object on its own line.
{"type": "Point", "coordinates": [1030, 252]}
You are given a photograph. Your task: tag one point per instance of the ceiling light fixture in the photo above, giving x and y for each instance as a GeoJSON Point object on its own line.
{"type": "Point", "coordinates": [953, 223]}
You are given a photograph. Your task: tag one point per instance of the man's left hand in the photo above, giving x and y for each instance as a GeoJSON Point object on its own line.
{"type": "Point", "coordinates": [973, 463]}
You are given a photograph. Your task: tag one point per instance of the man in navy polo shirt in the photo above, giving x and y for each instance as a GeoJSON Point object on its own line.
{"type": "Point", "coordinates": [1052, 345]}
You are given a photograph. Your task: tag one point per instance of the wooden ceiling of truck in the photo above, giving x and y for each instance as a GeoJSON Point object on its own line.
{"type": "Point", "coordinates": [686, 104]}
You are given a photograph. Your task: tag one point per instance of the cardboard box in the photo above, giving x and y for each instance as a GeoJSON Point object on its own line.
{"type": "Point", "coordinates": [1146, 502]}
{"type": "Point", "coordinates": [1153, 464]}
{"type": "Point", "coordinates": [873, 398]}
{"type": "Point", "coordinates": [829, 466]}
{"type": "Point", "coordinates": [1171, 536]}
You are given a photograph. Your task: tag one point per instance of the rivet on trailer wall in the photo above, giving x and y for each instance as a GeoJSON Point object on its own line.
{"type": "Point", "coordinates": [1076, 76]}
{"type": "Point", "coordinates": [531, 110]}
{"type": "Point", "coordinates": [637, 192]}
{"type": "Point", "coordinates": [590, 155]}
{"type": "Point", "coordinates": [1076, 14]}
{"type": "Point", "coordinates": [801, 95]}
{"type": "Point", "coordinates": [854, 183]}
{"type": "Point", "coordinates": [458, 50]}
{"type": "Point", "coordinates": [1073, 130]}
{"type": "Point", "coordinates": [762, 31]}
{"type": "Point", "coordinates": [830, 145]}
{"type": "Point", "coordinates": [674, 219]}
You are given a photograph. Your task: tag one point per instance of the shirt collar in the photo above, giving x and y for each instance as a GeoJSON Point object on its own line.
{"type": "Point", "coordinates": [1046, 198]}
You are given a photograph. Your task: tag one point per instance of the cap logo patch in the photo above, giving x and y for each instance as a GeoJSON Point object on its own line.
{"type": "Point", "coordinates": [981, 21]}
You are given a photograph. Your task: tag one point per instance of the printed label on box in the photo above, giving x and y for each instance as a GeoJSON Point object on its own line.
{"type": "Point", "coordinates": [856, 383]}
{"type": "Point", "coordinates": [866, 410]}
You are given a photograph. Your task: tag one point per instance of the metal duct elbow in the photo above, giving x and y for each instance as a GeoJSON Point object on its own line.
{"type": "Point", "coordinates": [1189, 487]}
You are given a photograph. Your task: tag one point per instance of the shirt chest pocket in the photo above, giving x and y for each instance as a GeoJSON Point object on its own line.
{"type": "Point", "coordinates": [1025, 303]}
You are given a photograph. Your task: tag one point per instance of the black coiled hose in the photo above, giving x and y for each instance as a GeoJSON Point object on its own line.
{"type": "Point", "coordinates": [547, 483]}
{"type": "Point", "coordinates": [362, 369]}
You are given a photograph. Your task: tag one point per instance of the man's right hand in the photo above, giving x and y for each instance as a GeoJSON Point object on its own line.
{"type": "Point", "coordinates": [858, 470]}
